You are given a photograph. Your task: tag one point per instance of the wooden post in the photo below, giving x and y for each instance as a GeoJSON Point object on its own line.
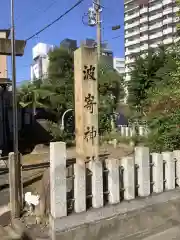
{"type": "Point", "coordinates": [86, 103]}
{"type": "Point", "coordinates": [86, 119]}
{"type": "Point", "coordinates": [15, 187]}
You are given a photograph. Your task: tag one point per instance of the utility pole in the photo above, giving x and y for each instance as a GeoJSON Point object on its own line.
{"type": "Point", "coordinates": [98, 24]}
{"type": "Point", "coordinates": [17, 163]}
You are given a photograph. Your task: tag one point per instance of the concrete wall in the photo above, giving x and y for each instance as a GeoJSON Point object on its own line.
{"type": "Point", "coordinates": [133, 220]}
{"type": "Point", "coordinates": [141, 175]}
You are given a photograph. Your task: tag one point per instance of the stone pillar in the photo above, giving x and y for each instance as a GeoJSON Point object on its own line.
{"type": "Point", "coordinates": [177, 159]}
{"type": "Point", "coordinates": [157, 172]}
{"type": "Point", "coordinates": [86, 119]}
{"type": "Point", "coordinates": [142, 160]}
{"type": "Point", "coordinates": [168, 157]}
{"type": "Point", "coordinates": [113, 180]}
{"type": "Point", "coordinates": [58, 179]}
{"type": "Point", "coordinates": [127, 131]}
{"type": "Point", "coordinates": [97, 183]}
{"type": "Point", "coordinates": [129, 178]}
{"type": "Point", "coordinates": [79, 186]}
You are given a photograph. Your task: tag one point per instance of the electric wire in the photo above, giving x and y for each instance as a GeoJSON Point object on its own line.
{"type": "Point", "coordinates": [56, 20]}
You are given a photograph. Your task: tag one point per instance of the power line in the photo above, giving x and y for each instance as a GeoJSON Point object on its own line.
{"type": "Point", "coordinates": [56, 20]}
{"type": "Point", "coordinates": [38, 11]}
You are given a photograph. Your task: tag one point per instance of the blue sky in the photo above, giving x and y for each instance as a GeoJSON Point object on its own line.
{"type": "Point", "coordinates": [32, 15]}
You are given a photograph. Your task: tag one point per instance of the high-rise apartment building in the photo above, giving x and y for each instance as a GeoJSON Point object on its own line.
{"type": "Point", "coordinates": [118, 64]}
{"type": "Point", "coordinates": [147, 24]}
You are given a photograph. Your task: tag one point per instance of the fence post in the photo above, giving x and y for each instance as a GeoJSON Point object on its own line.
{"type": "Point", "coordinates": [127, 131]}
{"type": "Point", "coordinates": [142, 160]}
{"type": "Point", "coordinates": [131, 132]}
{"type": "Point", "coordinates": [157, 160]}
{"type": "Point", "coordinates": [123, 130]}
{"type": "Point", "coordinates": [141, 130]}
{"type": "Point", "coordinates": [129, 177]}
{"type": "Point", "coordinates": [168, 157]}
{"type": "Point", "coordinates": [58, 179]}
{"type": "Point", "coordinates": [177, 158]}
{"type": "Point", "coordinates": [113, 180]}
{"type": "Point", "coordinates": [80, 186]}
{"type": "Point", "coordinates": [15, 186]}
{"type": "Point", "coordinates": [97, 183]}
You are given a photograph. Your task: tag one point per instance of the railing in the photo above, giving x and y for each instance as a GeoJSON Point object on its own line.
{"type": "Point", "coordinates": [95, 184]}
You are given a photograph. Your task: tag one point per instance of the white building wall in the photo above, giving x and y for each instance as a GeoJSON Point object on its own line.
{"type": "Point", "coordinates": [39, 68]}
{"type": "Point", "coordinates": [118, 64]}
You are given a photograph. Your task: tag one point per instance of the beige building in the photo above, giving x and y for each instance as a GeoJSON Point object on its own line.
{"type": "Point", "coordinates": [3, 59]}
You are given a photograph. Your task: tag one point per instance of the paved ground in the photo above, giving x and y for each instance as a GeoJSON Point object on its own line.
{"type": "Point", "coordinates": [170, 234]}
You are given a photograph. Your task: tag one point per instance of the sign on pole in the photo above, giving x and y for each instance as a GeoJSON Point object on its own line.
{"type": "Point", "coordinates": [86, 103]}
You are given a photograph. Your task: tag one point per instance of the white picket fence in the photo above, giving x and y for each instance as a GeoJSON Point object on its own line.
{"type": "Point", "coordinates": [129, 131]}
{"type": "Point", "coordinates": [108, 181]}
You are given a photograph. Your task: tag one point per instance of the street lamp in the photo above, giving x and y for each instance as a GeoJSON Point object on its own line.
{"type": "Point", "coordinates": [62, 119]}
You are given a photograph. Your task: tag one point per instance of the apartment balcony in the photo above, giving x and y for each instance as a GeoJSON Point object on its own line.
{"type": "Point", "coordinates": [156, 35]}
{"type": "Point", "coordinates": [127, 2]}
{"type": "Point", "coordinates": [158, 15]}
{"type": "Point", "coordinates": [134, 24]}
{"type": "Point", "coordinates": [130, 43]}
{"type": "Point", "coordinates": [128, 9]}
{"type": "Point", "coordinates": [165, 2]}
{"type": "Point", "coordinates": [143, 29]}
{"type": "Point", "coordinates": [155, 7]}
{"type": "Point", "coordinates": [131, 34]}
{"type": "Point", "coordinates": [129, 17]}
{"type": "Point", "coordinates": [143, 20]}
{"type": "Point", "coordinates": [167, 11]}
{"type": "Point", "coordinates": [168, 20]}
{"type": "Point", "coordinates": [156, 25]}
{"type": "Point", "coordinates": [144, 38]}
{"type": "Point", "coordinates": [168, 31]}
{"type": "Point", "coordinates": [143, 10]}
{"type": "Point", "coordinates": [135, 50]}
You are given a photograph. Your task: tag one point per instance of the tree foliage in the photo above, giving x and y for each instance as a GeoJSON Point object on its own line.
{"type": "Point", "coordinates": [56, 93]}
{"type": "Point", "coordinates": [163, 108]}
{"type": "Point", "coordinates": [143, 76]}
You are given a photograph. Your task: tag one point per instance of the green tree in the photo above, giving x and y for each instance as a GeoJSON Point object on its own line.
{"type": "Point", "coordinates": [32, 95]}
{"type": "Point", "coordinates": [110, 92]}
{"type": "Point", "coordinates": [56, 93]}
{"type": "Point", "coordinates": [162, 110]}
{"type": "Point", "coordinates": [60, 81]}
{"type": "Point", "coordinates": [143, 76]}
